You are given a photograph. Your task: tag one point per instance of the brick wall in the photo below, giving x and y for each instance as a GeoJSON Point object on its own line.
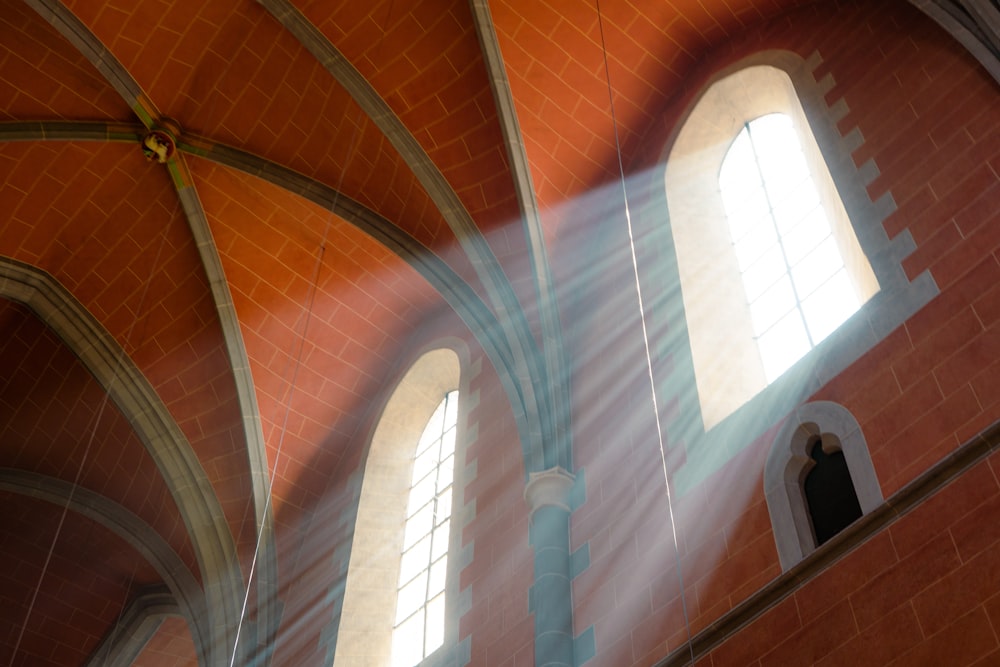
{"type": "Point", "coordinates": [925, 591]}
{"type": "Point", "coordinates": [912, 94]}
{"type": "Point", "coordinates": [929, 118]}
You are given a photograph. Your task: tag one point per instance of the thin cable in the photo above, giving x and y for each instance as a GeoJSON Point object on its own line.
{"type": "Point", "coordinates": [645, 334]}
{"type": "Point", "coordinates": [108, 644]}
{"type": "Point", "coordinates": [55, 537]}
{"type": "Point", "coordinates": [90, 441]}
{"type": "Point", "coordinates": [310, 303]}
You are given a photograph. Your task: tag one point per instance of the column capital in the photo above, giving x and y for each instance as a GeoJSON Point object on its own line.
{"type": "Point", "coordinates": [549, 488]}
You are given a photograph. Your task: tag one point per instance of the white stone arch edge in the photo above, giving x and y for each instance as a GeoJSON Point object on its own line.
{"type": "Point", "coordinates": [364, 638]}
{"type": "Point", "coordinates": [788, 462]}
{"type": "Point", "coordinates": [185, 596]}
{"type": "Point", "coordinates": [180, 468]}
{"type": "Point", "coordinates": [268, 608]}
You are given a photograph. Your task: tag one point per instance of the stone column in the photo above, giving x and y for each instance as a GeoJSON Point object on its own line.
{"type": "Point", "coordinates": [547, 494]}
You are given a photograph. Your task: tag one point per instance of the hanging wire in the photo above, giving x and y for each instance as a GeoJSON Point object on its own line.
{"type": "Point", "coordinates": [109, 644]}
{"type": "Point", "coordinates": [291, 384]}
{"type": "Point", "coordinates": [99, 415]}
{"type": "Point", "coordinates": [310, 302]}
{"type": "Point", "coordinates": [645, 334]}
{"type": "Point", "coordinates": [309, 305]}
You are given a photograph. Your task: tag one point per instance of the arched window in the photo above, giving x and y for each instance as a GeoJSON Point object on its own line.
{"type": "Point", "coordinates": [400, 605]}
{"type": "Point", "coordinates": [759, 225]}
{"type": "Point", "coordinates": [818, 479]}
{"type": "Point", "coordinates": [786, 273]}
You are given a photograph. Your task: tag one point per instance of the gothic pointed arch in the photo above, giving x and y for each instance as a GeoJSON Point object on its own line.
{"type": "Point", "coordinates": [160, 434]}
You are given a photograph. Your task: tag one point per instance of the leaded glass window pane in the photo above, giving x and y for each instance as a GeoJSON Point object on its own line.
{"type": "Point", "coordinates": [420, 604]}
{"type": "Point", "coordinates": [794, 277]}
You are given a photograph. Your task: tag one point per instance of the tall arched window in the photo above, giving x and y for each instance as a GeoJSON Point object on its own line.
{"type": "Point", "coordinates": [401, 594]}
{"type": "Point", "coordinates": [749, 195]}
{"type": "Point", "coordinates": [786, 273]}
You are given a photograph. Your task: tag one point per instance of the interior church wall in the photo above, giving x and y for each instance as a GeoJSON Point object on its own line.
{"type": "Point", "coordinates": [923, 591]}
{"type": "Point", "coordinates": [928, 115]}
{"type": "Point", "coordinates": [925, 109]}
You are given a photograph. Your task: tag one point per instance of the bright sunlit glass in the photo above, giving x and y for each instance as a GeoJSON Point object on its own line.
{"type": "Point", "coordinates": [793, 274]}
{"type": "Point", "coordinates": [419, 628]}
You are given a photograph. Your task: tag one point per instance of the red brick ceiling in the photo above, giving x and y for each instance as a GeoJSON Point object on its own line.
{"type": "Point", "coordinates": [231, 72]}
{"type": "Point", "coordinates": [91, 575]}
{"type": "Point", "coordinates": [334, 324]}
{"type": "Point", "coordinates": [107, 225]}
{"type": "Point", "coordinates": [55, 420]}
{"type": "Point", "coordinates": [424, 59]}
{"type": "Point", "coordinates": [324, 311]}
{"type": "Point", "coordinates": [43, 77]}
{"type": "Point", "coordinates": [555, 56]}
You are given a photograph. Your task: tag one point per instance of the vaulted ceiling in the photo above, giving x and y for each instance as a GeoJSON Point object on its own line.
{"type": "Point", "coordinates": [344, 174]}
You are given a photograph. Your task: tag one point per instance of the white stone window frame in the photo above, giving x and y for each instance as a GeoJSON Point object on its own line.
{"type": "Point", "coordinates": [789, 462]}
{"type": "Point", "coordinates": [710, 442]}
{"type": "Point", "coordinates": [367, 619]}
